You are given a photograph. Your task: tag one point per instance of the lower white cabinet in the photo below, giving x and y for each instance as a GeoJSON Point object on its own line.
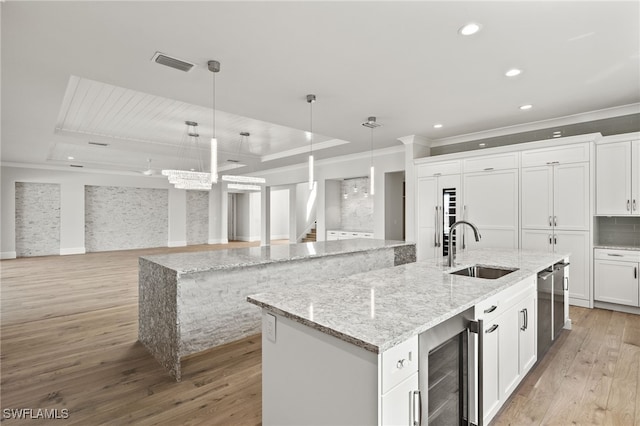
{"type": "Point", "coordinates": [509, 348]}
{"type": "Point", "coordinates": [616, 276]}
{"type": "Point", "coordinates": [398, 403]}
{"type": "Point", "coordinates": [333, 235]}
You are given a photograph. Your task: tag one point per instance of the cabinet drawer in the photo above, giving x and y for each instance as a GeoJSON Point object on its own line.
{"type": "Point", "coordinates": [619, 255]}
{"type": "Point", "coordinates": [495, 305]}
{"type": "Point", "coordinates": [491, 162]}
{"type": "Point", "coordinates": [399, 362]}
{"type": "Point", "coordinates": [435, 169]}
{"type": "Point", "coordinates": [575, 153]}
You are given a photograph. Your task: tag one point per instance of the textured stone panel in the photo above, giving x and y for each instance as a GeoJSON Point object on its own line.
{"type": "Point", "coordinates": [37, 219]}
{"type": "Point", "coordinates": [197, 217]}
{"type": "Point", "coordinates": [356, 212]}
{"type": "Point", "coordinates": [119, 218]}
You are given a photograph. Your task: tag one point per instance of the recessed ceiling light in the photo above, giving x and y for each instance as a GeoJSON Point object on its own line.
{"type": "Point", "coordinates": [557, 132]}
{"type": "Point", "coordinates": [513, 72]}
{"type": "Point", "coordinates": [525, 107]}
{"type": "Point", "coordinates": [71, 158]}
{"type": "Point", "coordinates": [482, 144]}
{"type": "Point", "coordinates": [469, 29]}
{"type": "Point", "coordinates": [557, 135]}
{"type": "Point", "coordinates": [437, 126]}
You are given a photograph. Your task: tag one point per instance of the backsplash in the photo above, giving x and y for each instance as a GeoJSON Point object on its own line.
{"type": "Point", "coordinates": [623, 231]}
{"type": "Point", "coordinates": [356, 210]}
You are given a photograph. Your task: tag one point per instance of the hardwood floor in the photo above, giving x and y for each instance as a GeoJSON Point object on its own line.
{"type": "Point", "coordinates": [69, 341]}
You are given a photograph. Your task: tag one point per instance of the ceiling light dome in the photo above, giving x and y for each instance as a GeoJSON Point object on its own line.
{"type": "Point", "coordinates": [513, 72]}
{"type": "Point", "coordinates": [469, 29]}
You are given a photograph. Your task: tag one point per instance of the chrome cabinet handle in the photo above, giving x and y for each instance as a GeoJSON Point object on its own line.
{"type": "Point", "coordinates": [566, 283]}
{"type": "Point", "coordinates": [440, 224]}
{"type": "Point", "coordinates": [401, 364]}
{"type": "Point", "coordinates": [491, 309]}
{"type": "Point", "coordinates": [493, 328]}
{"type": "Point", "coordinates": [550, 223]}
{"type": "Point", "coordinates": [634, 205]}
{"type": "Point", "coordinates": [525, 319]}
{"type": "Point", "coordinates": [550, 240]}
{"type": "Point", "coordinates": [477, 327]}
{"type": "Point", "coordinates": [435, 228]}
{"type": "Point", "coordinates": [628, 205]}
{"type": "Point", "coordinates": [555, 239]}
{"type": "Point", "coordinates": [417, 421]}
{"type": "Point", "coordinates": [555, 221]}
{"type": "Point", "coordinates": [614, 255]}
{"type": "Point", "coordinates": [488, 169]}
{"type": "Point", "coordinates": [635, 272]}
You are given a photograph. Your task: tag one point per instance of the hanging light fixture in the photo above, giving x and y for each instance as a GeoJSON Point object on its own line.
{"type": "Point", "coordinates": [242, 179]}
{"type": "Point", "coordinates": [371, 124]}
{"type": "Point", "coordinates": [310, 100]}
{"type": "Point", "coordinates": [214, 67]}
{"type": "Point", "coordinates": [190, 179]}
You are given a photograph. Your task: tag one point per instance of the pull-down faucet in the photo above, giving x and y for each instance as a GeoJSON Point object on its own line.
{"type": "Point", "coordinates": [451, 229]}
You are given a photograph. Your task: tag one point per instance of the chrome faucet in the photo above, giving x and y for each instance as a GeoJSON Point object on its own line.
{"type": "Point", "coordinates": [460, 222]}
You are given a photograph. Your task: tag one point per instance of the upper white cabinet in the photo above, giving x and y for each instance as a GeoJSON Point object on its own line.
{"type": "Point", "coordinates": [563, 154]}
{"type": "Point", "coordinates": [618, 178]}
{"type": "Point", "coordinates": [556, 196]}
{"type": "Point", "coordinates": [491, 203]}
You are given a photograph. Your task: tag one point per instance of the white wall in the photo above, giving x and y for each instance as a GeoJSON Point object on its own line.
{"type": "Point", "coordinates": [280, 214]}
{"type": "Point", "coordinates": [248, 216]}
{"type": "Point", "coordinates": [332, 204]}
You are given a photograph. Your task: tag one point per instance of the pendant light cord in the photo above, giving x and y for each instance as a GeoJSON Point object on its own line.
{"type": "Point", "coordinates": [214, 104]}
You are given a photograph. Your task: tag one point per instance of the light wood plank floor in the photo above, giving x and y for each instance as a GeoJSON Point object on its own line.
{"type": "Point", "coordinates": [69, 340]}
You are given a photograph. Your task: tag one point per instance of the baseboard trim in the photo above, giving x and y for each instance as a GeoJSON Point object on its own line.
{"type": "Point", "coordinates": [280, 237]}
{"type": "Point", "coordinates": [616, 307]}
{"type": "Point", "coordinates": [8, 255]}
{"type": "Point", "coordinates": [217, 241]}
{"type": "Point", "coordinates": [177, 244]}
{"type": "Point", "coordinates": [72, 250]}
{"type": "Point", "coordinates": [579, 302]}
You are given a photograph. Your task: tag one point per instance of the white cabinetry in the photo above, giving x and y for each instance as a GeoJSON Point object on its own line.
{"type": "Point", "coordinates": [616, 276]}
{"type": "Point", "coordinates": [491, 203]}
{"type": "Point", "coordinates": [436, 206]}
{"type": "Point", "coordinates": [399, 382]}
{"type": "Point", "coordinates": [509, 342]}
{"type": "Point", "coordinates": [333, 235]}
{"type": "Point", "coordinates": [618, 178]}
{"type": "Point", "coordinates": [555, 209]}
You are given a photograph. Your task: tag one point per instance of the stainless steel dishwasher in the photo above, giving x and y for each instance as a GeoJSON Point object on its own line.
{"type": "Point", "coordinates": [552, 283]}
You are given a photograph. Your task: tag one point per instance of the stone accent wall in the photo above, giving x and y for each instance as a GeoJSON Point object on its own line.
{"type": "Point", "coordinates": [197, 217]}
{"type": "Point", "coordinates": [119, 218]}
{"type": "Point", "coordinates": [356, 212]}
{"type": "Point", "coordinates": [37, 219]}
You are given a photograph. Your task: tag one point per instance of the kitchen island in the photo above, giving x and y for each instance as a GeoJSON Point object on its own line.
{"type": "Point", "coordinates": [190, 302]}
{"type": "Point", "coordinates": [346, 350]}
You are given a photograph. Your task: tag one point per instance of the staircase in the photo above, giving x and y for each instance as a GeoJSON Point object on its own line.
{"type": "Point", "coordinates": [310, 237]}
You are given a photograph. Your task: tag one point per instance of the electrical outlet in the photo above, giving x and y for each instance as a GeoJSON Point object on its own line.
{"type": "Point", "coordinates": [270, 327]}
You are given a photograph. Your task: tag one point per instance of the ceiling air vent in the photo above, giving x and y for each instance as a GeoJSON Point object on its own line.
{"type": "Point", "coordinates": [179, 64]}
{"type": "Point", "coordinates": [98, 143]}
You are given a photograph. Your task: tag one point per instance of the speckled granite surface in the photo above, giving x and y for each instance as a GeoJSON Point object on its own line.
{"type": "Point", "coordinates": [243, 257]}
{"type": "Point", "coordinates": [613, 247]}
{"type": "Point", "coordinates": [377, 310]}
{"type": "Point", "coordinates": [191, 302]}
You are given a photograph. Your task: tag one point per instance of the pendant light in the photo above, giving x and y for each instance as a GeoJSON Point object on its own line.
{"type": "Point", "coordinates": [243, 179]}
{"type": "Point", "coordinates": [310, 100]}
{"type": "Point", "coordinates": [214, 67]}
{"type": "Point", "coordinates": [192, 178]}
{"type": "Point", "coordinates": [371, 124]}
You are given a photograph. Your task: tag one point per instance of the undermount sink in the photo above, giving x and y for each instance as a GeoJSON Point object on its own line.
{"type": "Point", "coordinates": [486, 272]}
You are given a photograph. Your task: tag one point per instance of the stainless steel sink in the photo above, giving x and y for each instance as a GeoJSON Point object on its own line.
{"type": "Point", "coordinates": [486, 272]}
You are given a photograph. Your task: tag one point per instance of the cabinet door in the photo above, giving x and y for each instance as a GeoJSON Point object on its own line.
{"type": "Point", "coordinates": [537, 239]}
{"type": "Point", "coordinates": [491, 203]}
{"type": "Point", "coordinates": [537, 197]}
{"type": "Point", "coordinates": [635, 177]}
{"type": "Point", "coordinates": [426, 190]}
{"type": "Point", "coordinates": [571, 196]}
{"type": "Point", "coordinates": [613, 178]}
{"type": "Point", "coordinates": [491, 388]}
{"type": "Point", "coordinates": [397, 404]}
{"type": "Point", "coordinates": [616, 282]}
{"type": "Point", "coordinates": [509, 370]}
{"type": "Point", "coordinates": [527, 339]}
{"type": "Point", "coordinates": [576, 243]}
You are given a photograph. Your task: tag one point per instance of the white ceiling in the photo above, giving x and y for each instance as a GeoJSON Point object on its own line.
{"type": "Point", "coordinates": [74, 72]}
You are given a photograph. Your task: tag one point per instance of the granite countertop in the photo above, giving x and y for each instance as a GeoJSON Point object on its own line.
{"type": "Point", "coordinates": [616, 247]}
{"type": "Point", "coordinates": [376, 310]}
{"type": "Point", "coordinates": [243, 257]}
